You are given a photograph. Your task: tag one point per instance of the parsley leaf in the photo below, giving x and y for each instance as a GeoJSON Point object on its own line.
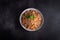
{"type": "Point", "coordinates": [32, 16]}
{"type": "Point", "coordinates": [29, 16]}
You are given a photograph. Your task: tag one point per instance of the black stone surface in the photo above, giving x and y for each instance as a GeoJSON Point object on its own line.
{"type": "Point", "coordinates": [10, 28]}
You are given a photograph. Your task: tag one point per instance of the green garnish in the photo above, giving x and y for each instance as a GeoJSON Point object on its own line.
{"type": "Point", "coordinates": [29, 16]}
{"type": "Point", "coordinates": [32, 16]}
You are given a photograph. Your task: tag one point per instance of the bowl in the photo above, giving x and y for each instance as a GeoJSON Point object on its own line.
{"type": "Point", "coordinates": [20, 19]}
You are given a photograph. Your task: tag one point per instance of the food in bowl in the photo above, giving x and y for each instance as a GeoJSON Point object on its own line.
{"type": "Point", "coordinates": [31, 19]}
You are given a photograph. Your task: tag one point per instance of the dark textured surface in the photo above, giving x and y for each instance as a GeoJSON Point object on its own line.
{"type": "Point", "coordinates": [10, 28]}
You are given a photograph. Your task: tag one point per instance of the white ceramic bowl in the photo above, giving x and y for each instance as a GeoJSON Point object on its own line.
{"type": "Point", "coordinates": [24, 12]}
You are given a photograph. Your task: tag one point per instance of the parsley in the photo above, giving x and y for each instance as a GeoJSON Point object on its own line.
{"type": "Point", "coordinates": [32, 16]}
{"type": "Point", "coordinates": [29, 16]}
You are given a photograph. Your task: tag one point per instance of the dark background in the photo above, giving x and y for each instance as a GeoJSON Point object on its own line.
{"type": "Point", "coordinates": [10, 28]}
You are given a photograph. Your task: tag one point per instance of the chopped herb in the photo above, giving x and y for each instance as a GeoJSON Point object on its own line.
{"type": "Point", "coordinates": [29, 16]}
{"type": "Point", "coordinates": [32, 16]}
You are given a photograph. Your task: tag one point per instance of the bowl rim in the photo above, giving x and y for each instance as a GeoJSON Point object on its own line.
{"type": "Point", "coordinates": [27, 10]}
